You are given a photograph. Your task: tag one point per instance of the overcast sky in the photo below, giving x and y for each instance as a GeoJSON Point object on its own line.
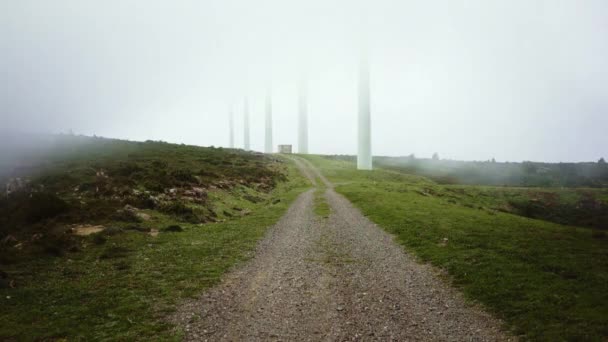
{"type": "Point", "coordinates": [472, 80]}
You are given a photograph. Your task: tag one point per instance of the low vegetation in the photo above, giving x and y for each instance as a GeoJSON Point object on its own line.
{"type": "Point", "coordinates": [104, 237]}
{"type": "Point", "coordinates": [548, 281]}
{"type": "Point", "coordinates": [490, 172]}
{"type": "Point", "coordinates": [321, 206]}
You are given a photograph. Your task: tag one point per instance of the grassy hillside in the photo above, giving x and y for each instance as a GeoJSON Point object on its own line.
{"type": "Point", "coordinates": [547, 281]}
{"type": "Point", "coordinates": [525, 174]}
{"type": "Point", "coordinates": [168, 221]}
{"type": "Point", "coordinates": [508, 187]}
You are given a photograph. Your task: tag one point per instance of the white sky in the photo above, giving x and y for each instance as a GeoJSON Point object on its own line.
{"type": "Point", "coordinates": [514, 80]}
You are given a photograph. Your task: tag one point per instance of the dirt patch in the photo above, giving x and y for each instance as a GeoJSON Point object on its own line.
{"type": "Point", "coordinates": [84, 230]}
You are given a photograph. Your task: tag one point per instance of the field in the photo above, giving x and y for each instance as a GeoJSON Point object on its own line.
{"type": "Point", "coordinates": [547, 281]}
{"type": "Point", "coordinates": [101, 239]}
{"type": "Point", "coordinates": [174, 219]}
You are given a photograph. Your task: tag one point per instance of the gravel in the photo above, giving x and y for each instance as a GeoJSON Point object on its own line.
{"type": "Point", "coordinates": [335, 279]}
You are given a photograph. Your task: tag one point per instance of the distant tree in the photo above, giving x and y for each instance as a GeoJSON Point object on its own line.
{"type": "Point", "coordinates": [601, 161]}
{"type": "Point", "coordinates": [412, 156]}
{"type": "Point", "coordinates": [493, 160]}
{"type": "Point", "coordinates": [435, 156]}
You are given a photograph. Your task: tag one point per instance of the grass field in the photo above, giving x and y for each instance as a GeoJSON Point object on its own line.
{"type": "Point", "coordinates": [122, 283]}
{"type": "Point", "coordinates": [547, 281]}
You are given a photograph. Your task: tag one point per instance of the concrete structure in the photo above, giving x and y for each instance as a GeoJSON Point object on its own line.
{"type": "Point", "coordinates": [302, 117]}
{"type": "Point", "coordinates": [246, 125]}
{"type": "Point", "coordinates": [285, 149]}
{"type": "Point", "coordinates": [268, 131]}
{"type": "Point", "coordinates": [364, 155]}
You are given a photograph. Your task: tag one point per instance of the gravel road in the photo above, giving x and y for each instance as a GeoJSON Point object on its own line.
{"type": "Point", "coordinates": [335, 279]}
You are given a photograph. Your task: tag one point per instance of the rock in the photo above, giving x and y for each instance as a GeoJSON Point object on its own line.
{"type": "Point", "coordinates": [130, 208]}
{"type": "Point", "coordinates": [143, 216]}
{"type": "Point", "coordinates": [84, 230]}
{"type": "Point", "coordinates": [14, 185]}
{"type": "Point", "coordinates": [10, 240]}
{"type": "Point", "coordinates": [101, 174]}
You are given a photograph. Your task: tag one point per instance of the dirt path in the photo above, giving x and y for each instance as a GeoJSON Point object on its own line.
{"type": "Point", "coordinates": [334, 279]}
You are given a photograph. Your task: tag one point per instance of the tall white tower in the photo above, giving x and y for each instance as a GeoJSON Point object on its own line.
{"type": "Point", "coordinates": [246, 124]}
{"type": "Point", "coordinates": [268, 138]}
{"type": "Point", "coordinates": [231, 123]}
{"type": "Point", "coordinates": [364, 156]}
{"type": "Point", "coordinates": [302, 117]}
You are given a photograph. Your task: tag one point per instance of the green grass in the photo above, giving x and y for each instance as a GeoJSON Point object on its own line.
{"type": "Point", "coordinates": [547, 281]}
{"type": "Point", "coordinates": [321, 207]}
{"type": "Point", "coordinates": [123, 283]}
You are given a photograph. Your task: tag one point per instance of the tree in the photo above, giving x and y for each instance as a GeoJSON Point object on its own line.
{"type": "Point", "coordinates": [435, 156]}
{"type": "Point", "coordinates": [493, 160]}
{"type": "Point", "coordinates": [601, 161]}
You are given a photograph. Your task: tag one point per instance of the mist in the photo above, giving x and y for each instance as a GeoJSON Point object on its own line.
{"type": "Point", "coordinates": [471, 80]}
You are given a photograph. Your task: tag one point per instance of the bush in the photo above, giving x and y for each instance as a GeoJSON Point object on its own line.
{"type": "Point", "coordinates": [110, 231]}
{"type": "Point", "coordinates": [56, 244]}
{"type": "Point", "coordinates": [126, 216]}
{"type": "Point", "coordinates": [42, 206]}
{"type": "Point", "coordinates": [126, 169]}
{"type": "Point", "coordinates": [180, 211]}
{"type": "Point", "coordinates": [99, 239]}
{"type": "Point", "coordinates": [173, 228]}
{"type": "Point", "coordinates": [183, 176]}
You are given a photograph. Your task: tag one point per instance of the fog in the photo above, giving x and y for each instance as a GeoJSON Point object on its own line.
{"type": "Point", "coordinates": [471, 80]}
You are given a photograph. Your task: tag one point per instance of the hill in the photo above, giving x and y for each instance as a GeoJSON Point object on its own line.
{"type": "Point", "coordinates": [492, 173]}
{"type": "Point", "coordinates": [113, 233]}
{"type": "Point", "coordinates": [526, 174]}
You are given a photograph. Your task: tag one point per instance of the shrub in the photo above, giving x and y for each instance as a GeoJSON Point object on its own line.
{"type": "Point", "coordinates": [126, 169]}
{"type": "Point", "coordinates": [173, 228]}
{"type": "Point", "coordinates": [126, 216]}
{"type": "Point", "coordinates": [183, 176]}
{"type": "Point", "coordinates": [44, 205]}
{"type": "Point", "coordinates": [99, 239]}
{"type": "Point", "coordinates": [180, 211]}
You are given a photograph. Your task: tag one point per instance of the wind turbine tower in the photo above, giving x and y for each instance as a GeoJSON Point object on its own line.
{"type": "Point", "coordinates": [268, 140]}
{"type": "Point", "coordinates": [302, 117]}
{"type": "Point", "coordinates": [231, 123]}
{"type": "Point", "coordinates": [246, 124]}
{"type": "Point", "coordinates": [364, 156]}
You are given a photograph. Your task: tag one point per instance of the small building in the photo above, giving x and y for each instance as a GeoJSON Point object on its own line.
{"type": "Point", "coordinates": [285, 149]}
